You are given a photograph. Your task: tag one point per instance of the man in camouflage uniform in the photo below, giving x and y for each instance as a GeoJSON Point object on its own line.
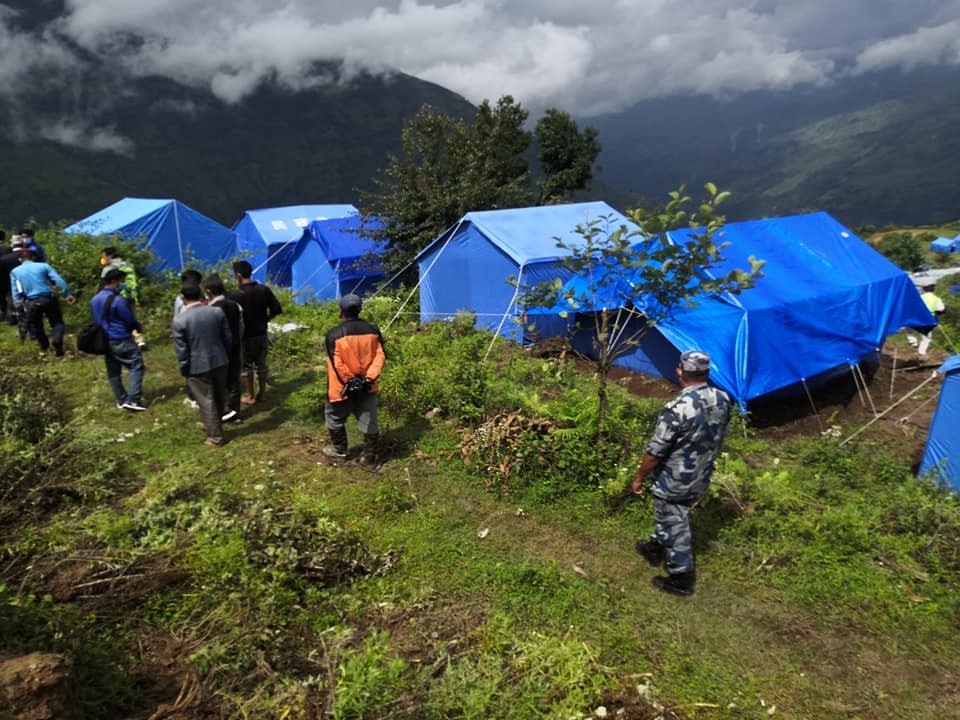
{"type": "Point", "coordinates": [679, 461]}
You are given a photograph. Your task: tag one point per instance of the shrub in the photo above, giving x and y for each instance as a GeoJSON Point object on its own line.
{"type": "Point", "coordinates": [29, 405]}
{"type": "Point", "coordinates": [903, 249]}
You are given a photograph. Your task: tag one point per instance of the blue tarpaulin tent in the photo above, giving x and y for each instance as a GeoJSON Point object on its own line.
{"type": "Point", "coordinates": [178, 235]}
{"type": "Point", "coordinates": [827, 299]}
{"type": "Point", "coordinates": [333, 258]}
{"type": "Point", "coordinates": [268, 236]}
{"type": "Point", "coordinates": [941, 458]}
{"type": "Point", "coordinates": [946, 245]}
{"type": "Point", "coordinates": [469, 265]}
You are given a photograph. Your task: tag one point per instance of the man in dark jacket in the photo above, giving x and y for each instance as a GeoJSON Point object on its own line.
{"type": "Point", "coordinates": [202, 341]}
{"type": "Point", "coordinates": [8, 261]}
{"type": "Point", "coordinates": [115, 315]}
{"type": "Point", "coordinates": [355, 359]}
{"type": "Point", "coordinates": [216, 297]}
{"type": "Point", "coordinates": [259, 306]}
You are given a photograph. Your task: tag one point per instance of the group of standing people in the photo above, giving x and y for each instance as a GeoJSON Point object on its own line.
{"type": "Point", "coordinates": [220, 342]}
{"type": "Point", "coordinates": [221, 347]}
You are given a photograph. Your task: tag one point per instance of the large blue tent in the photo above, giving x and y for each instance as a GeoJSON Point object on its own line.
{"type": "Point", "coordinates": [333, 258]}
{"type": "Point", "coordinates": [267, 237]}
{"type": "Point", "coordinates": [941, 458]}
{"type": "Point", "coordinates": [469, 266]}
{"type": "Point", "coordinates": [827, 299]}
{"type": "Point", "coordinates": [178, 235]}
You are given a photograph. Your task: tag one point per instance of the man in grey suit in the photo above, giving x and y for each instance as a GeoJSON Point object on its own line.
{"type": "Point", "coordinates": [202, 341]}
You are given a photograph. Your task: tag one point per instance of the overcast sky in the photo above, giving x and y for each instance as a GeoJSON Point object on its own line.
{"type": "Point", "coordinates": [584, 57]}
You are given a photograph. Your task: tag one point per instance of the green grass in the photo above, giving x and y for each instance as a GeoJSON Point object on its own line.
{"type": "Point", "coordinates": [828, 580]}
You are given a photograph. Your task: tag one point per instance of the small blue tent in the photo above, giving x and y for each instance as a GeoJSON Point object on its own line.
{"type": "Point", "coordinates": [946, 245]}
{"type": "Point", "coordinates": [333, 258]}
{"type": "Point", "coordinates": [267, 237]}
{"type": "Point", "coordinates": [469, 265]}
{"type": "Point", "coordinates": [827, 299]}
{"type": "Point", "coordinates": [941, 458]}
{"type": "Point", "coordinates": [178, 235]}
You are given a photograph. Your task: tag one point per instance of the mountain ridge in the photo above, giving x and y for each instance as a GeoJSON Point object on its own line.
{"type": "Point", "coordinates": [873, 149]}
{"type": "Point", "coordinates": [161, 138]}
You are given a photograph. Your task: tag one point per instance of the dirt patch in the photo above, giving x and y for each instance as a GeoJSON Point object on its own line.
{"type": "Point", "coordinates": [629, 701]}
{"type": "Point", "coordinates": [839, 405]}
{"type": "Point", "coordinates": [39, 686]}
{"type": "Point", "coordinates": [170, 689]}
{"type": "Point", "coordinates": [96, 581]}
{"type": "Point", "coordinates": [433, 635]}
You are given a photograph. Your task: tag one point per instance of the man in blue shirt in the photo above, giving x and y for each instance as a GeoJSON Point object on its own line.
{"type": "Point", "coordinates": [31, 285]}
{"type": "Point", "coordinates": [118, 322]}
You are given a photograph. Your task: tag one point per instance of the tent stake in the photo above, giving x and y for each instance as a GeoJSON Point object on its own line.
{"type": "Point", "coordinates": [893, 370]}
{"type": "Point", "coordinates": [856, 383]}
{"type": "Point", "coordinates": [909, 394]}
{"type": "Point", "coordinates": [866, 389]}
{"type": "Point", "coordinates": [812, 404]}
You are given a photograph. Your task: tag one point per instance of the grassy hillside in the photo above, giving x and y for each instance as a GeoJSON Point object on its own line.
{"type": "Point", "coordinates": [891, 159]}
{"type": "Point", "coordinates": [481, 573]}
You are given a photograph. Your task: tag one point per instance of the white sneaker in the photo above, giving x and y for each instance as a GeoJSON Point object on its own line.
{"type": "Point", "coordinates": [134, 407]}
{"type": "Point", "coordinates": [230, 415]}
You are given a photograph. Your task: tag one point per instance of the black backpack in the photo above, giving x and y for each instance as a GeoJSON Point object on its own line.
{"type": "Point", "coordinates": [92, 339]}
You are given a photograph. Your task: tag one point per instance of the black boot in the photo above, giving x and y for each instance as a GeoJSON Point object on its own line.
{"type": "Point", "coordinates": [676, 583]}
{"type": "Point", "coordinates": [338, 444]}
{"type": "Point", "coordinates": [652, 551]}
{"type": "Point", "coordinates": [370, 456]}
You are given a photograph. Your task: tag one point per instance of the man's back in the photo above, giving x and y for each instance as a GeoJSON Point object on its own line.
{"type": "Point", "coordinates": [33, 278]}
{"type": "Point", "coordinates": [8, 261]}
{"type": "Point", "coordinates": [689, 432]}
{"type": "Point", "coordinates": [202, 338]}
{"type": "Point", "coordinates": [259, 306]}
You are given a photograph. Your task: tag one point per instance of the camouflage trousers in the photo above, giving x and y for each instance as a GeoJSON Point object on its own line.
{"type": "Point", "coordinates": [671, 529]}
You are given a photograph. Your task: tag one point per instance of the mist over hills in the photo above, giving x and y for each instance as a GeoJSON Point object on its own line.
{"type": "Point", "coordinates": [878, 148]}
{"type": "Point", "coordinates": [76, 142]}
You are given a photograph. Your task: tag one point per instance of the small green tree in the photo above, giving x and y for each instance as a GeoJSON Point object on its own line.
{"type": "Point", "coordinates": [633, 276]}
{"type": "Point", "coordinates": [447, 167]}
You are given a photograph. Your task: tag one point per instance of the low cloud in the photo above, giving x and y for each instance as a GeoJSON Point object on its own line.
{"type": "Point", "coordinates": [91, 139]}
{"type": "Point", "coordinates": [938, 45]}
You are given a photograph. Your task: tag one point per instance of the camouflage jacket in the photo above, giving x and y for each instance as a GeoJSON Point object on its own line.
{"type": "Point", "coordinates": [687, 438]}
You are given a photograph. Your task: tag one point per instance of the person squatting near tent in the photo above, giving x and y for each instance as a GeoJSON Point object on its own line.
{"type": "Point", "coordinates": [679, 460]}
{"type": "Point", "coordinates": [259, 307]}
{"type": "Point", "coordinates": [110, 260]}
{"type": "Point", "coordinates": [202, 342]}
{"type": "Point", "coordinates": [115, 314]}
{"type": "Point", "coordinates": [31, 287]}
{"type": "Point", "coordinates": [355, 359]}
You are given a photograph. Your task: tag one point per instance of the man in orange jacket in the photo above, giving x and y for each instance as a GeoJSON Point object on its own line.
{"type": "Point", "coordinates": [355, 359]}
